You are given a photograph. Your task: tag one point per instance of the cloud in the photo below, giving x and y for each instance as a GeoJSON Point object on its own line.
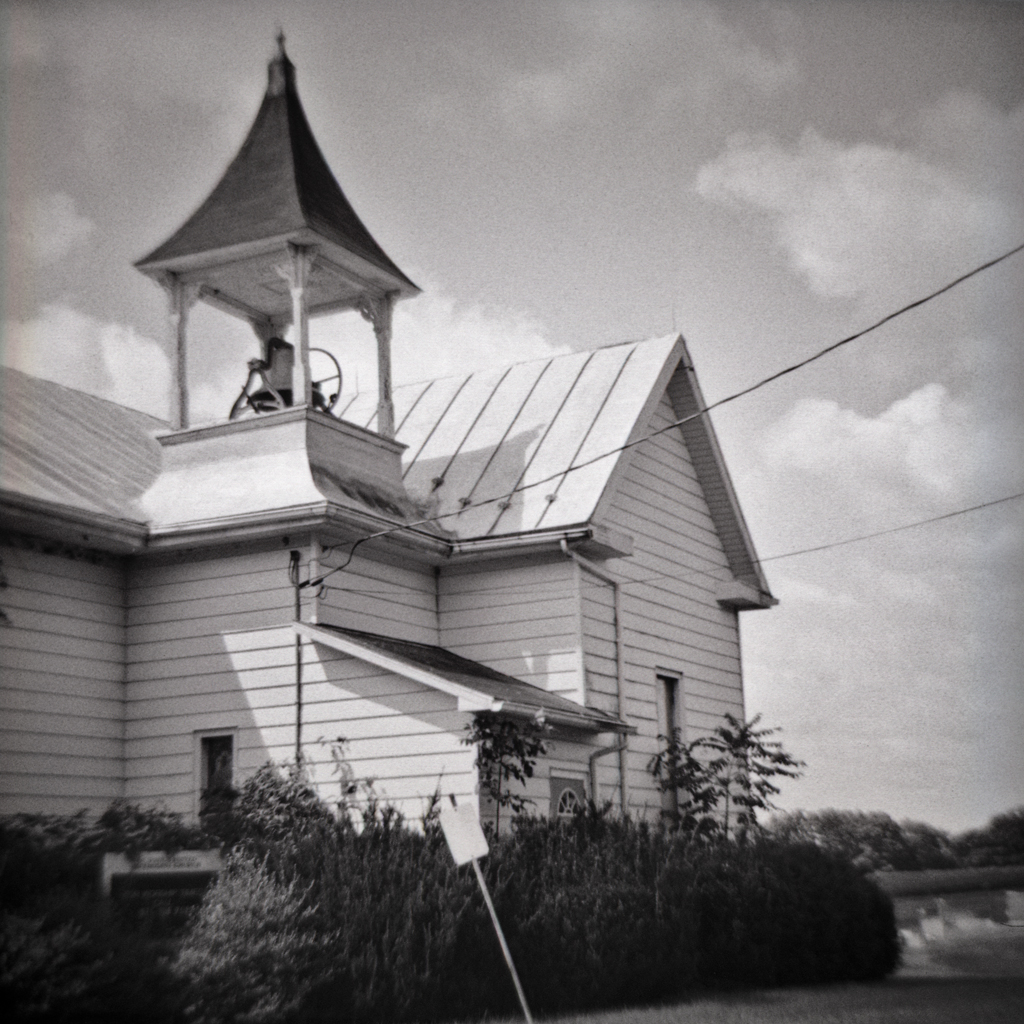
{"type": "Point", "coordinates": [108, 360]}
{"type": "Point", "coordinates": [926, 442]}
{"type": "Point", "coordinates": [47, 228]}
{"type": "Point", "coordinates": [863, 217]}
{"type": "Point", "coordinates": [606, 50]}
{"type": "Point", "coordinates": [966, 131]}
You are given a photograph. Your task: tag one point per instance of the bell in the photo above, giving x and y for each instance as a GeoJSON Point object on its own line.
{"type": "Point", "coordinates": [274, 374]}
{"type": "Point", "coordinates": [277, 376]}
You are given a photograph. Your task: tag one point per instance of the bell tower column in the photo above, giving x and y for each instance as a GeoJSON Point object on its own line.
{"type": "Point", "coordinates": [181, 298]}
{"type": "Point", "coordinates": [297, 275]}
{"type": "Point", "coordinates": [378, 311]}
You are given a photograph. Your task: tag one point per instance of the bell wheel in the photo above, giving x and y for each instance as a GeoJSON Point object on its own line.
{"type": "Point", "coordinates": [326, 373]}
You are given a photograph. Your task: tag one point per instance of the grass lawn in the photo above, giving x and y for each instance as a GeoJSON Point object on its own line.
{"type": "Point", "coordinates": [975, 978]}
{"type": "Point", "coordinates": [901, 1000]}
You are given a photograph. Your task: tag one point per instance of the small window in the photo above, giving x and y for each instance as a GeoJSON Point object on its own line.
{"type": "Point", "coordinates": [670, 725]}
{"type": "Point", "coordinates": [568, 797]}
{"type": "Point", "coordinates": [216, 773]}
{"type": "Point", "coordinates": [669, 687]}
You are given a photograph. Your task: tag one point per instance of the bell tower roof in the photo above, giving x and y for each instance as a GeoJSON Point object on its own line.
{"type": "Point", "coordinates": [277, 190]}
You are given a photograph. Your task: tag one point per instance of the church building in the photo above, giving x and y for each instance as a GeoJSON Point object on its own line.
{"type": "Point", "coordinates": [350, 578]}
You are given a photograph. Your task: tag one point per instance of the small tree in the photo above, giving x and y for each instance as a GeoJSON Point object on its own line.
{"type": "Point", "coordinates": [506, 750]}
{"type": "Point", "coordinates": [736, 780]}
{"type": "Point", "coordinates": [681, 774]}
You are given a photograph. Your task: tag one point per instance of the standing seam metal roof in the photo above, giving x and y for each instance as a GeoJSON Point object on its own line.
{"type": "Point", "coordinates": [64, 446]}
{"type": "Point", "coordinates": [476, 437]}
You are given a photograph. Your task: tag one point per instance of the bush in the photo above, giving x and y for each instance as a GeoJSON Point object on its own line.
{"type": "Point", "coordinates": [43, 852]}
{"type": "Point", "coordinates": [42, 969]}
{"type": "Point", "coordinates": [65, 955]}
{"type": "Point", "coordinates": [318, 920]}
{"type": "Point", "coordinates": [872, 840]}
{"type": "Point", "coordinates": [284, 949]}
{"type": "Point", "coordinates": [338, 924]}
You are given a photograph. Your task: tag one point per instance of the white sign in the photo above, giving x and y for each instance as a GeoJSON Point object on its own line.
{"type": "Point", "coordinates": [158, 862]}
{"type": "Point", "coordinates": [465, 837]}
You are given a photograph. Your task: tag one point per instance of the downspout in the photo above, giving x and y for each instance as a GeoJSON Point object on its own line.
{"type": "Point", "coordinates": [293, 575]}
{"type": "Point", "coordinates": [621, 746]}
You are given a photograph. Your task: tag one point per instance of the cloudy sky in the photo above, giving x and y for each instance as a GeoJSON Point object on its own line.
{"type": "Point", "coordinates": [764, 177]}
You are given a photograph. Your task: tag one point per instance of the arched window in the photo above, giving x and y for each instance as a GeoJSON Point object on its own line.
{"type": "Point", "coordinates": [568, 797]}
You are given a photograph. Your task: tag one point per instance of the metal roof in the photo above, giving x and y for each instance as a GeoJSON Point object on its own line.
{"type": "Point", "coordinates": [479, 436]}
{"type": "Point", "coordinates": [469, 439]}
{"type": "Point", "coordinates": [63, 446]}
{"type": "Point", "coordinates": [454, 674]}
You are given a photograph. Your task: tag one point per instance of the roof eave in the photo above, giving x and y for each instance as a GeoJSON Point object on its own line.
{"type": "Point", "coordinates": [52, 520]}
{"type": "Point", "coordinates": [193, 266]}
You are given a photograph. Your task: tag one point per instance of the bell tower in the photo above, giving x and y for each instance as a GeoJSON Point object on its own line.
{"type": "Point", "coordinates": [275, 243]}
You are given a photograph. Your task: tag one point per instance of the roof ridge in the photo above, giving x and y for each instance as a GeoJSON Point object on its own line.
{"type": "Point", "coordinates": [525, 362]}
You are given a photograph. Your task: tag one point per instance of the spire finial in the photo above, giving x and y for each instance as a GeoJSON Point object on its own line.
{"type": "Point", "coordinates": [281, 72]}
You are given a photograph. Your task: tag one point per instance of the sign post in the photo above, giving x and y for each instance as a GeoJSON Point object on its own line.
{"type": "Point", "coordinates": [468, 844]}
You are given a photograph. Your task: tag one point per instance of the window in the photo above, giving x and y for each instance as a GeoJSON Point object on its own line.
{"type": "Point", "coordinates": [668, 700]}
{"type": "Point", "coordinates": [216, 772]}
{"type": "Point", "coordinates": [568, 797]}
{"type": "Point", "coordinates": [669, 694]}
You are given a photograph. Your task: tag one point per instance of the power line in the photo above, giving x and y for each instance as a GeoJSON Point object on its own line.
{"type": "Point", "coordinates": [892, 529]}
{"type": "Point", "coordinates": [831, 544]}
{"type": "Point", "coordinates": [723, 572]}
{"type": "Point", "coordinates": [792, 368]}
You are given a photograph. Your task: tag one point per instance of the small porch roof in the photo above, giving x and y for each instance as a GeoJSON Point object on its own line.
{"type": "Point", "coordinates": [477, 687]}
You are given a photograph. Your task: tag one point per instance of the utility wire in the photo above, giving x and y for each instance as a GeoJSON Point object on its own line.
{"type": "Point", "coordinates": [830, 545]}
{"type": "Point", "coordinates": [721, 572]}
{"type": "Point", "coordinates": [892, 529]}
{"type": "Point", "coordinates": [680, 422]}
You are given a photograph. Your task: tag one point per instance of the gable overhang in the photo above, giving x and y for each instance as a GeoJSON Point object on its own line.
{"type": "Point", "coordinates": [748, 589]}
{"type": "Point", "coordinates": [641, 427]}
{"type": "Point", "coordinates": [709, 464]}
{"type": "Point", "coordinates": [469, 698]}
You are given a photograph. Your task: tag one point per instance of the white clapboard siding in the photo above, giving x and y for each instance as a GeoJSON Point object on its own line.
{"type": "Point", "coordinates": [404, 736]}
{"type": "Point", "coordinates": [379, 596]}
{"type": "Point", "coordinates": [672, 622]}
{"type": "Point", "coordinates": [62, 703]}
{"type": "Point", "coordinates": [520, 617]}
{"type": "Point", "coordinates": [566, 757]}
{"type": "Point", "coordinates": [188, 673]}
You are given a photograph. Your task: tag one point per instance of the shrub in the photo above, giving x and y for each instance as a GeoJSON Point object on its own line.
{"type": "Point", "coordinates": [255, 951]}
{"type": "Point", "coordinates": [42, 969]}
{"type": "Point", "coordinates": [719, 782]}
{"type": "Point", "coordinates": [338, 924]}
{"type": "Point", "coordinates": [872, 841]}
{"type": "Point", "coordinates": [65, 954]}
{"type": "Point", "coordinates": [42, 852]}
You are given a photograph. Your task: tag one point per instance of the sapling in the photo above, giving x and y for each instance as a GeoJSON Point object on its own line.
{"type": "Point", "coordinates": [506, 750]}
